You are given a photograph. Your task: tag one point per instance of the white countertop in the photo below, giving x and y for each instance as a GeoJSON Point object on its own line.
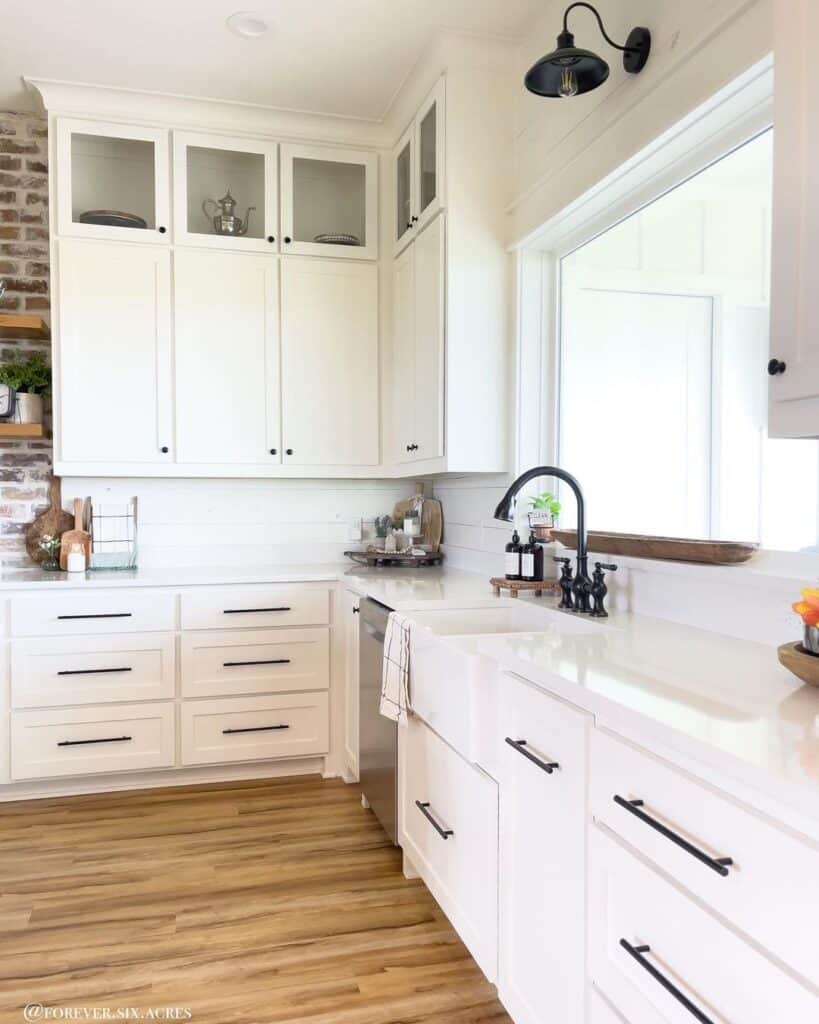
{"type": "Point", "coordinates": [718, 700]}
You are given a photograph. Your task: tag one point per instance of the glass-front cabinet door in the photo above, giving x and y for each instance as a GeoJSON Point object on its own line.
{"type": "Point", "coordinates": [112, 181]}
{"type": "Point", "coordinates": [403, 165]}
{"type": "Point", "coordinates": [329, 202]}
{"type": "Point", "coordinates": [225, 192]}
{"type": "Point", "coordinates": [429, 147]}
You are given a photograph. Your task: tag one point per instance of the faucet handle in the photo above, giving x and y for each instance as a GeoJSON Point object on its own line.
{"type": "Point", "coordinates": [608, 566]}
{"type": "Point", "coordinates": [562, 561]}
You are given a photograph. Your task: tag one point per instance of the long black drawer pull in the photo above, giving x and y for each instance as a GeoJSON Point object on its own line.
{"type": "Point", "coordinates": [519, 745]}
{"type": "Point", "coordinates": [103, 739]}
{"type": "Point", "coordinates": [270, 661]}
{"type": "Point", "coordinates": [444, 833]}
{"type": "Point", "coordinates": [90, 671]}
{"type": "Point", "coordinates": [253, 611]}
{"type": "Point", "coordinates": [99, 615]}
{"type": "Point", "coordinates": [638, 952]}
{"type": "Point", "coordinates": [254, 728]}
{"type": "Point", "coordinates": [718, 864]}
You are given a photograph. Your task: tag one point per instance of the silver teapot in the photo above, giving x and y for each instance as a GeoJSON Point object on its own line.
{"type": "Point", "coordinates": [222, 213]}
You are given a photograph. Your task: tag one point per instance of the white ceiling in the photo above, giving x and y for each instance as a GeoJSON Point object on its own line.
{"type": "Point", "coordinates": [344, 57]}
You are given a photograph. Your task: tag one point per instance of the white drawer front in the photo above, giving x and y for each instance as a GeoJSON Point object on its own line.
{"type": "Point", "coordinates": [461, 869]}
{"type": "Point", "coordinates": [762, 892]}
{"type": "Point", "coordinates": [104, 611]}
{"type": "Point", "coordinates": [92, 670]}
{"type": "Point", "coordinates": [128, 737]}
{"type": "Point", "coordinates": [599, 1010]}
{"type": "Point", "coordinates": [255, 661]}
{"type": "Point", "coordinates": [255, 607]}
{"type": "Point", "coordinates": [726, 979]}
{"type": "Point", "coordinates": [255, 728]}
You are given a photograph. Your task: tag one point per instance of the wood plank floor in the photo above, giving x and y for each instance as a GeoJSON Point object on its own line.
{"type": "Point", "coordinates": [276, 900]}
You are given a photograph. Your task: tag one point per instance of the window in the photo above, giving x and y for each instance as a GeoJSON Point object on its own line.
{"type": "Point", "coordinates": [662, 394]}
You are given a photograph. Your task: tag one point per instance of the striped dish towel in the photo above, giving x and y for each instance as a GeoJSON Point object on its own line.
{"type": "Point", "coordinates": [395, 702]}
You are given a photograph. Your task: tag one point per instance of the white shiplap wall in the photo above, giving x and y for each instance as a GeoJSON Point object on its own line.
{"type": "Point", "coordinates": [473, 540]}
{"type": "Point", "coordinates": [244, 522]}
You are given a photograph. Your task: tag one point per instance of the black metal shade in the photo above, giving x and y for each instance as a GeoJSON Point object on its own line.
{"type": "Point", "coordinates": [545, 76]}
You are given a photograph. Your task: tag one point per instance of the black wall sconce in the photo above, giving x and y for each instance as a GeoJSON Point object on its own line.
{"type": "Point", "coordinates": [569, 71]}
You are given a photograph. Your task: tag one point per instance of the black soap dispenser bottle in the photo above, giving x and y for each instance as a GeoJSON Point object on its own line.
{"type": "Point", "coordinates": [512, 563]}
{"type": "Point", "coordinates": [531, 560]}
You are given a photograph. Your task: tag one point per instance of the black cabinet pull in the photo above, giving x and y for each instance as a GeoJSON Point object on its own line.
{"type": "Point", "coordinates": [270, 661]}
{"type": "Point", "coordinates": [718, 864]}
{"type": "Point", "coordinates": [164, 449]}
{"type": "Point", "coordinates": [355, 611]}
{"type": "Point", "coordinates": [638, 953]}
{"type": "Point", "coordinates": [271, 238]}
{"type": "Point", "coordinates": [274, 451]}
{"type": "Point", "coordinates": [99, 615]}
{"type": "Point", "coordinates": [254, 611]}
{"type": "Point", "coordinates": [162, 229]}
{"type": "Point", "coordinates": [289, 451]}
{"type": "Point", "coordinates": [776, 367]}
{"type": "Point", "coordinates": [444, 833]}
{"type": "Point", "coordinates": [287, 239]}
{"type": "Point", "coordinates": [254, 728]}
{"type": "Point", "coordinates": [83, 743]}
{"type": "Point", "coordinates": [90, 671]}
{"type": "Point", "coordinates": [519, 745]}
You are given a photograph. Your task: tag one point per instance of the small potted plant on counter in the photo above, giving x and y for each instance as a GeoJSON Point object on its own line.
{"type": "Point", "coordinates": [543, 516]}
{"type": "Point", "coordinates": [30, 376]}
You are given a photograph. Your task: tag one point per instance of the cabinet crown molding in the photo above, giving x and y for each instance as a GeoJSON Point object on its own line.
{"type": "Point", "coordinates": [203, 114]}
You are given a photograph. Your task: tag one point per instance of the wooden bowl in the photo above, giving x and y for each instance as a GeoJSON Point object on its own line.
{"type": "Point", "coordinates": [801, 662]}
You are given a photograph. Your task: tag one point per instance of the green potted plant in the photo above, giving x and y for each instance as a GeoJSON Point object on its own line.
{"type": "Point", "coordinates": [30, 376]}
{"type": "Point", "coordinates": [543, 515]}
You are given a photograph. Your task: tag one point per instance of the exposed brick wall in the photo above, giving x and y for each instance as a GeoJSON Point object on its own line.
{"type": "Point", "coordinates": [25, 466]}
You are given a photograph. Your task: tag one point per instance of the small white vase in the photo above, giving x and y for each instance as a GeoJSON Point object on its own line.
{"type": "Point", "coordinates": [29, 408]}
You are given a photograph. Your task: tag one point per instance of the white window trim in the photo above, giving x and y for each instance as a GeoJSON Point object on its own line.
{"type": "Point", "coordinates": [729, 119]}
{"type": "Point", "coordinates": [732, 117]}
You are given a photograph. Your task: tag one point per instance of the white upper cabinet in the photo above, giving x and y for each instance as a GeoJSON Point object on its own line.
{"type": "Point", "coordinates": [329, 202]}
{"type": "Point", "coordinates": [113, 400]}
{"type": "Point", "coordinates": [113, 181]}
{"type": "Point", "coordinates": [226, 316]}
{"type": "Point", "coordinates": [794, 352]}
{"type": "Point", "coordinates": [419, 306]}
{"type": "Point", "coordinates": [225, 192]}
{"type": "Point", "coordinates": [329, 331]}
{"type": "Point", "coordinates": [418, 170]}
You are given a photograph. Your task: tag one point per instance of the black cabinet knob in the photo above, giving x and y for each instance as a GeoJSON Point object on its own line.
{"type": "Point", "coordinates": [271, 238]}
{"type": "Point", "coordinates": [287, 239]}
{"type": "Point", "coordinates": [776, 366]}
{"type": "Point", "coordinates": [274, 451]}
{"type": "Point", "coordinates": [164, 449]}
{"type": "Point", "coordinates": [162, 230]}
{"type": "Point", "coordinates": [409, 225]}
{"type": "Point", "coordinates": [414, 220]}
{"type": "Point", "coordinates": [289, 451]}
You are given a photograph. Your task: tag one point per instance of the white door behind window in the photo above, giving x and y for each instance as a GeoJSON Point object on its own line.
{"type": "Point", "coordinates": [641, 447]}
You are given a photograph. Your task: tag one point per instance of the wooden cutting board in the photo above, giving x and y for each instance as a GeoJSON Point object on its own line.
{"type": "Point", "coordinates": [51, 523]}
{"type": "Point", "coordinates": [75, 536]}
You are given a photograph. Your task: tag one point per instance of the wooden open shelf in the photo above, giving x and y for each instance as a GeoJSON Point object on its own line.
{"type": "Point", "coordinates": [23, 325]}
{"type": "Point", "coordinates": [22, 431]}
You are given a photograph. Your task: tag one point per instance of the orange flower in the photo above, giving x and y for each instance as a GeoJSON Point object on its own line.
{"type": "Point", "coordinates": [809, 610]}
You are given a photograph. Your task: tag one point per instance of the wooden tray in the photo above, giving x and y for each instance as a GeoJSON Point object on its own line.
{"type": "Point", "coordinates": [500, 583]}
{"type": "Point", "coordinates": [379, 558]}
{"type": "Point", "coordinates": [668, 549]}
{"type": "Point", "coordinates": [802, 663]}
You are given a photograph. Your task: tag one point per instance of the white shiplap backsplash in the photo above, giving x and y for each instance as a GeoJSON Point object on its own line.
{"type": "Point", "coordinates": [473, 540]}
{"type": "Point", "coordinates": [244, 522]}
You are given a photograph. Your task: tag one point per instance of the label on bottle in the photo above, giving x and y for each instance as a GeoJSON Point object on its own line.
{"type": "Point", "coordinates": [527, 565]}
{"type": "Point", "coordinates": [512, 563]}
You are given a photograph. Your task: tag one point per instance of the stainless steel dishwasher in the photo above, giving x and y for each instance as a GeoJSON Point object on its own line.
{"type": "Point", "coordinates": [377, 736]}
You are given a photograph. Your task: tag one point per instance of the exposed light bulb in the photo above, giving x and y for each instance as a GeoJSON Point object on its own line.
{"type": "Point", "coordinates": [568, 84]}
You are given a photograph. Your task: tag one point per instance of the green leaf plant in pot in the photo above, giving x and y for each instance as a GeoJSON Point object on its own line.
{"type": "Point", "coordinates": [543, 515]}
{"type": "Point", "coordinates": [30, 376]}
